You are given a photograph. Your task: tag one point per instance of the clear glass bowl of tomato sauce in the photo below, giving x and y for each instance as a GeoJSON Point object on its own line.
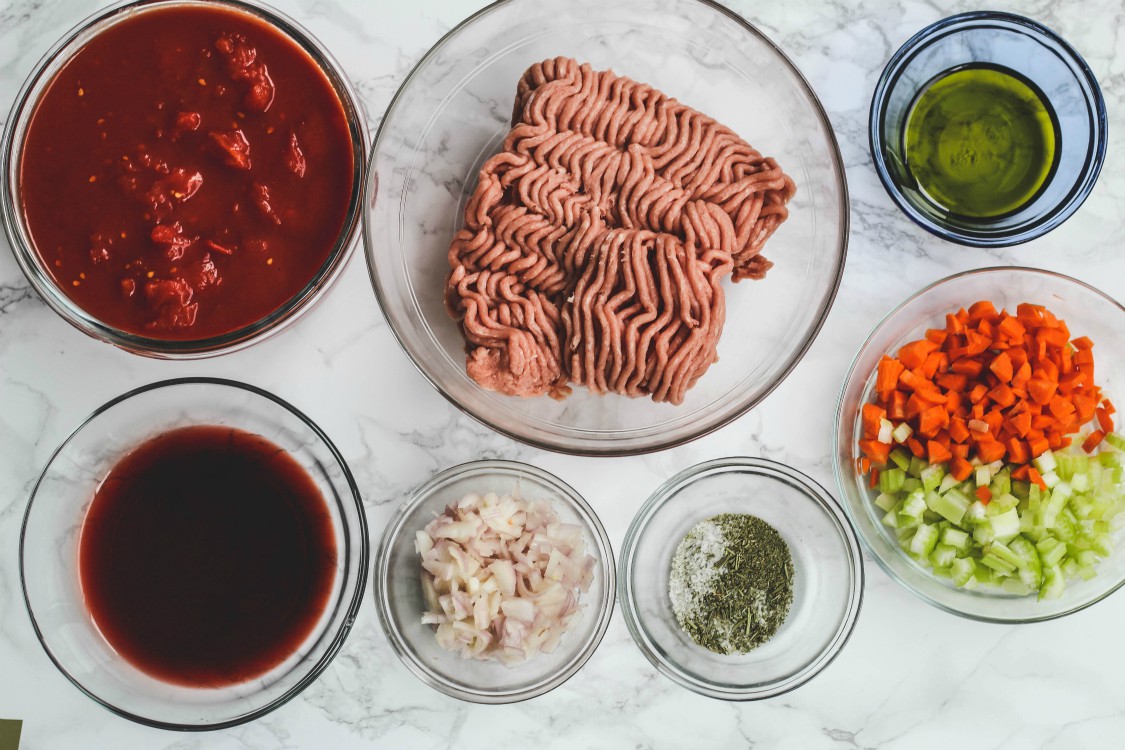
{"type": "Point", "coordinates": [184, 179]}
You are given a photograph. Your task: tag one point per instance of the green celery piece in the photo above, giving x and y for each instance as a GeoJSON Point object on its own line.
{"type": "Point", "coordinates": [955, 538]}
{"type": "Point", "coordinates": [1065, 526]}
{"type": "Point", "coordinates": [1102, 544]}
{"type": "Point", "coordinates": [901, 432]}
{"type": "Point", "coordinates": [1001, 503]}
{"type": "Point", "coordinates": [890, 518]}
{"type": "Point", "coordinates": [1016, 586]}
{"type": "Point", "coordinates": [1087, 558]}
{"type": "Point", "coordinates": [1051, 479]}
{"type": "Point", "coordinates": [1069, 567]}
{"type": "Point", "coordinates": [948, 482]}
{"type": "Point", "coordinates": [982, 476]}
{"type": "Point", "coordinates": [997, 564]}
{"type": "Point", "coordinates": [942, 556]}
{"type": "Point", "coordinates": [1030, 567]}
{"type": "Point", "coordinates": [1052, 555]}
{"type": "Point", "coordinates": [1087, 573]}
{"type": "Point", "coordinates": [890, 480]}
{"type": "Point", "coordinates": [951, 506]}
{"type": "Point", "coordinates": [1002, 551]}
{"type": "Point", "coordinates": [1116, 440]}
{"type": "Point", "coordinates": [983, 534]}
{"type": "Point", "coordinates": [931, 477]}
{"type": "Point", "coordinates": [1053, 583]}
{"type": "Point", "coordinates": [1080, 482]}
{"type": "Point", "coordinates": [886, 501]}
{"type": "Point", "coordinates": [1005, 525]}
{"type": "Point", "coordinates": [910, 484]}
{"type": "Point", "coordinates": [901, 459]}
{"type": "Point", "coordinates": [1022, 489]}
{"type": "Point", "coordinates": [924, 540]}
{"type": "Point", "coordinates": [913, 505]}
{"type": "Point", "coordinates": [917, 466]}
{"type": "Point", "coordinates": [962, 570]}
{"type": "Point", "coordinates": [977, 512]}
{"type": "Point", "coordinates": [1045, 462]}
{"type": "Point", "coordinates": [1001, 482]}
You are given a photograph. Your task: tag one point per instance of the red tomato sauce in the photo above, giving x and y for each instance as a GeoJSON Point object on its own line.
{"type": "Point", "coordinates": [187, 172]}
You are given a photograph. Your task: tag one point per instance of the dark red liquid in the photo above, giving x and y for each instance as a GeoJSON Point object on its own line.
{"type": "Point", "coordinates": [133, 199]}
{"type": "Point", "coordinates": [207, 556]}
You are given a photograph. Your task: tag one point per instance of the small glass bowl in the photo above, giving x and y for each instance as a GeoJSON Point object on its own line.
{"type": "Point", "coordinates": [453, 112]}
{"type": "Point", "coordinates": [57, 509]}
{"type": "Point", "coordinates": [29, 259]}
{"type": "Point", "coordinates": [827, 582]}
{"type": "Point", "coordinates": [398, 589]}
{"type": "Point", "coordinates": [1038, 55]}
{"type": "Point", "coordinates": [1087, 312]}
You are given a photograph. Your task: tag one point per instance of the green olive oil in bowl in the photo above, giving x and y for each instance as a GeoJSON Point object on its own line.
{"type": "Point", "coordinates": [980, 141]}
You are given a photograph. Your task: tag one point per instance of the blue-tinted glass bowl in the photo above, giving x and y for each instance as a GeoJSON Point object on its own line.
{"type": "Point", "coordinates": [1039, 56]}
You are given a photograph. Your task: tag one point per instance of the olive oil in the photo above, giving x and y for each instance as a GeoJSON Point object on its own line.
{"type": "Point", "coordinates": [980, 141]}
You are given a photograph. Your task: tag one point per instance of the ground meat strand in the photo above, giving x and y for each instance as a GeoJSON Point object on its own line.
{"type": "Point", "coordinates": [596, 241]}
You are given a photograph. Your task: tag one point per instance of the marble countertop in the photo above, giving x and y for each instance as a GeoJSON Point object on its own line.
{"type": "Point", "coordinates": [911, 677]}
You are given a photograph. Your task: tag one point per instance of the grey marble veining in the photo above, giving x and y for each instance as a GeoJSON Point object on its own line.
{"type": "Point", "coordinates": [911, 678]}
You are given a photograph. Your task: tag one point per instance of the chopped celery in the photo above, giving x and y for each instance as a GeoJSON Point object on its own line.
{"type": "Point", "coordinates": [1024, 539]}
{"type": "Point", "coordinates": [902, 432]}
{"type": "Point", "coordinates": [886, 429]}
{"type": "Point", "coordinates": [1117, 441]}
{"type": "Point", "coordinates": [950, 506]}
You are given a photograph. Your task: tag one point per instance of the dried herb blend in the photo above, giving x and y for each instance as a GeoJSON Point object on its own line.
{"type": "Point", "coordinates": [731, 585]}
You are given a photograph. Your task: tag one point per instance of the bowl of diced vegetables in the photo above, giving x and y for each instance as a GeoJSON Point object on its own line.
{"type": "Point", "coordinates": [978, 451]}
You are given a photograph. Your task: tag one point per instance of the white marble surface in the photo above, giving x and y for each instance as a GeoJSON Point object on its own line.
{"type": "Point", "coordinates": [911, 677]}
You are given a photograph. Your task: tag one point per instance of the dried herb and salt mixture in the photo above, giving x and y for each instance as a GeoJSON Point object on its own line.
{"type": "Point", "coordinates": [732, 583]}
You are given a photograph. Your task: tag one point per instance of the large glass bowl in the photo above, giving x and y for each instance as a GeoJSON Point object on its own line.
{"type": "Point", "coordinates": [1087, 312]}
{"type": "Point", "coordinates": [1040, 57]}
{"type": "Point", "coordinates": [827, 577]}
{"type": "Point", "coordinates": [453, 112]}
{"type": "Point", "coordinates": [31, 263]}
{"type": "Point", "coordinates": [50, 538]}
{"type": "Point", "coordinates": [398, 587]}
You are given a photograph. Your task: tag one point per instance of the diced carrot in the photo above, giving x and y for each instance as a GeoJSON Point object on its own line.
{"type": "Point", "coordinates": [1061, 408]}
{"type": "Point", "coordinates": [1093, 440]}
{"type": "Point", "coordinates": [1034, 476]}
{"type": "Point", "coordinates": [984, 494]}
{"type": "Point", "coordinates": [960, 468]}
{"type": "Point", "coordinates": [1018, 452]}
{"type": "Point", "coordinates": [957, 430]}
{"type": "Point", "coordinates": [1104, 420]}
{"type": "Point", "coordinates": [910, 381]}
{"type": "Point", "coordinates": [1011, 328]}
{"type": "Point", "coordinates": [1108, 406]}
{"type": "Point", "coordinates": [936, 335]}
{"type": "Point", "coordinates": [1041, 390]}
{"type": "Point", "coordinates": [1037, 444]}
{"type": "Point", "coordinates": [953, 324]}
{"type": "Point", "coordinates": [1083, 343]}
{"type": "Point", "coordinates": [1053, 336]}
{"type": "Point", "coordinates": [887, 378]}
{"type": "Point", "coordinates": [990, 450]}
{"type": "Point", "coordinates": [1001, 367]}
{"type": "Point", "coordinates": [934, 363]}
{"type": "Point", "coordinates": [931, 420]}
{"type": "Point", "coordinates": [876, 451]}
{"type": "Point", "coordinates": [983, 310]}
{"type": "Point", "coordinates": [1054, 440]}
{"type": "Point", "coordinates": [967, 366]}
{"type": "Point", "coordinates": [916, 447]}
{"type": "Point", "coordinates": [1002, 395]}
{"type": "Point", "coordinates": [960, 449]}
{"type": "Point", "coordinates": [914, 406]}
{"type": "Point", "coordinates": [1020, 424]}
{"type": "Point", "coordinates": [1085, 407]}
{"type": "Point", "coordinates": [873, 479]}
{"type": "Point", "coordinates": [896, 409]}
{"type": "Point", "coordinates": [936, 453]}
{"type": "Point", "coordinates": [912, 355]}
{"type": "Point", "coordinates": [1020, 472]}
{"type": "Point", "coordinates": [872, 417]}
{"type": "Point", "coordinates": [952, 381]}
{"type": "Point", "coordinates": [864, 464]}
{"type": "Point", "coordinates": [1030, 315]}
{"type": "Point", "coordinates": [979, 391]}
{"type": "Point", "coordinates": [952, 402]}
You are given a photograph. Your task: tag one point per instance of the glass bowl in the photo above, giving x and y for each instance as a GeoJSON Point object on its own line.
{"type": "Point", "coordinates": [1037, 55]}
{"type": "Point", "coordinates": [55, 514]}
{"type": "Point", "coordinates": [398, 589]}
{"type": "Point", "coordinates": [1087, 312]}
{"type": "Point", "coordinates": [827, 581]}
{"type": "Point", "coordinates": [30, 262]}
{"type": "Point", "coordinates": [453, 112]}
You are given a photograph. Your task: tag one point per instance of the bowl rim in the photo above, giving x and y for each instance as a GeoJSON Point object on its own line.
{"type": "Point", "coordinates": [776, 471]}
{"type": "Point", "coordinates": [395, 526]}
{"type": "Point", "coordinates": [1060, 212]}
{"type": "Point", "coordinates": [23, 248]}
{"type": "Point", "coordinates": [351, 611]}
{"type": "Point", "coordinates": [594, 445]}
{"type": "Point", "coordinates": [843, 483]}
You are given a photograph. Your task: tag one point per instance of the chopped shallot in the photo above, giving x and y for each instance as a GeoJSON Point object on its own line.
{"type": "Point", "coordinates": [502, 576]}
